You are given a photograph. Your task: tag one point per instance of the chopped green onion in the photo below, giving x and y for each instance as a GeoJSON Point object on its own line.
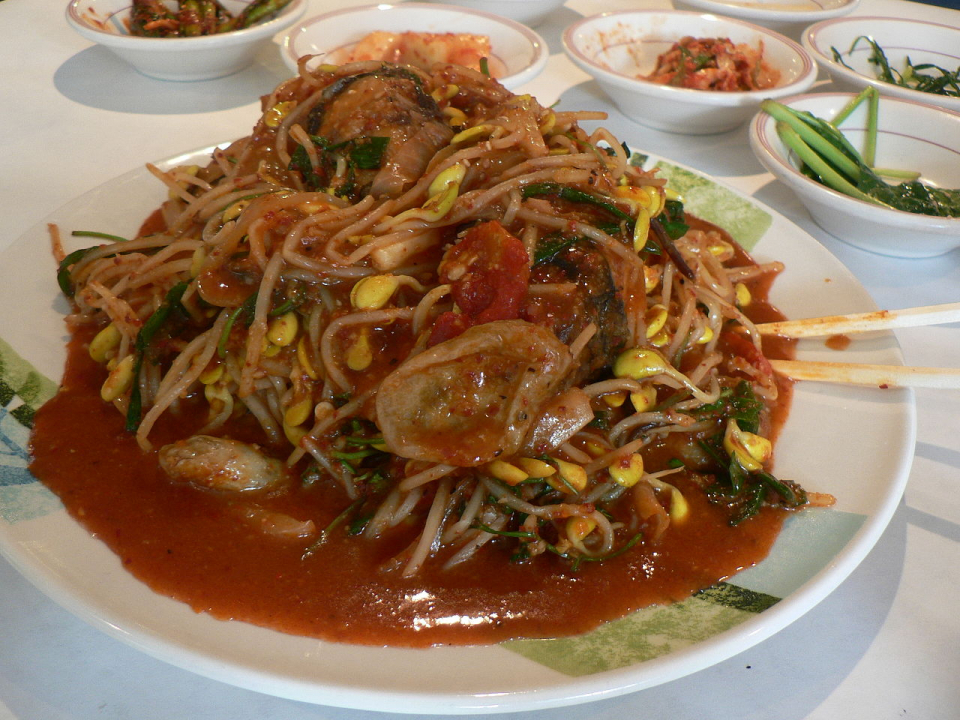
{"type": "Point", "coordinates": [140, 345]}
{"type": "Point", "coordinates": [507, 533]}
{"type": "Point", "coordinates": [246, 308]}
{"type": "Point", "coordinates": [101, 235]}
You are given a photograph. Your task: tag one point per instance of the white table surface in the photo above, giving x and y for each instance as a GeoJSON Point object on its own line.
{"type": "Point", "coordinates": [885, 644]}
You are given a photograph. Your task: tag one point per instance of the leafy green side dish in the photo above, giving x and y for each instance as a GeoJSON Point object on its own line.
{"type": "Point", "coordinates": [916, 77]}
{"type": "Point", "coordinates": [829, 158]}
{"type": "Point", "coordinates": [193, 18]}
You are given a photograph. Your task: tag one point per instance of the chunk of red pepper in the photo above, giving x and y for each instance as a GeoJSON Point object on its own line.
{"type": "Point", "coordinates": [489, 272]}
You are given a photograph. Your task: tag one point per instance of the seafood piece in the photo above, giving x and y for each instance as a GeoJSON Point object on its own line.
{"type": "Point", "coordinates": [471, 399]}
{"type": "Point", "coordinates": [560, 420]}
{"type": "Point", "coordinates": [277, 525]}
{"type": "Point", "coordinates": [214, 463]}
{"type": "Point", "coordinates": [388, 104]}
{"type": "Point", "coordinates": [475, 91]}
{"type": "Point", "coordinates": [595, 299]}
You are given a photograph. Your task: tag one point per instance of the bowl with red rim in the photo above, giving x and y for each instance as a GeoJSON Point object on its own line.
{"type": "Point", "coordinates": [840, 47]}
{"type": "Point", "coordinates": [620, 50]}
{"type": "Point", "coordinates": [910, 136]}
{"type": "Point", "coordinates": [529, 12]}
{"type": "Point", "coordinates": [517, 53]}
{"type": "Point", "coordinates": [203, 57]}
{"type": "Point", "coordinates": [784, 16]}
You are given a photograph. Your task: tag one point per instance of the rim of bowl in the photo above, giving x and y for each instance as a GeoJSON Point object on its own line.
{"type": "Point", "coordinates": [806, 77]}
{"type": "Point", "coordinates": [810, 37]}
{"type": "Point", "coordinates": [528, 72]}
{"type": "Point", "coordinates": [290, 14]}
{"type": "Point", "coordinates": [759, 133]}
{"type": "Point", "coordinates": [496, 2]}
{"type": "Point", "coordinates": [761, 13]}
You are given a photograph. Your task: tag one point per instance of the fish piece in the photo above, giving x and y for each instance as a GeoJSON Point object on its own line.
{"type": "Point", "coordinates": [595, 299]}
{"type": "Point", "coordinates": [214, 463]}
{"type": "Point", "coordinates": [389, 104]}
{"type": "Point", "coordinates": [471, 399]}
{"type": "Point", "coordinates": [560, 420]}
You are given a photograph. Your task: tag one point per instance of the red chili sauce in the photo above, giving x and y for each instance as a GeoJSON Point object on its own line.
{"type": "Point", "coordinates": [838, 342]}
{"type": "Point", "coordinates": [195, 546]}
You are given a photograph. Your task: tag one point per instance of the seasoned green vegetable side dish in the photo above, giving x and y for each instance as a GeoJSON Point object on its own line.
{"type": "Point", "coordinates": [192, 18]}
{"type": "Point", "coordinates": [829, 158]}
{"type": "Point", "coordinates": [924, 77]}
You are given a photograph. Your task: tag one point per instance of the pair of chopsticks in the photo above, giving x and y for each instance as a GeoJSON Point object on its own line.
{"type": "Point", "coordinates": [882, 376]}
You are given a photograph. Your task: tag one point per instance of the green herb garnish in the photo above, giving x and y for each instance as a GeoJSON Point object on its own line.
{"type": "Point", "coordinates": [144, 338]}
{"type": "Point", "coordinates": [739, 403]}
{"type": "Point", "coordinates": [672, 219]}
{"type": "Point", "coordinates": [333, 525]}
{"type": "Point", "coordinates": [364, 153]}
{"type": "Point", "coordinates": [570, 194]}
{"type": "Point", "coordinates": [101, 235]}
{"type": "Point", "coordinates": [367, 153]}
{"type": "Point", "coordinates": [507, 533]}
{"type": "Point", "coordinates": [577, 559]}
{"type": "Point", "coordinates": [552, 245]}
{"type": "Point", "coordinates": [64, 278]}
{"type": "Point", "coordinates": [245, 310]}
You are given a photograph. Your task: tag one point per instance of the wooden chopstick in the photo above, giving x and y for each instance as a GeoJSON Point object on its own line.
{"type": "Point", "coordinates": [863, 322]}
{"type": "Point", "coordinates": [880, 376]}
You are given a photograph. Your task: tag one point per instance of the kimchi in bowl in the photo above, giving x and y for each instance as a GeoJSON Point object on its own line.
{"type": "Point", "coordinates": [621, 51]}
{"type": "Point", "coordinates": [516, 54]}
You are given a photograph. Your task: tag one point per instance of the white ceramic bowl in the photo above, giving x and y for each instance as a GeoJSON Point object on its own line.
{"type": "Point", "coordinates": [618, 47]}
{"type": "Point", "coordinates": [519, 54]}
{"type": "Point", "coordinates": [923, 42]}
{"type": "Point", "coordinates": [911, 136]}
{"type": "Point", "coordinates": [528, 12]}
{"type": "Point", "coordinates": [780, 15]}
{"type": "Point", "coordinates": [188, 58]}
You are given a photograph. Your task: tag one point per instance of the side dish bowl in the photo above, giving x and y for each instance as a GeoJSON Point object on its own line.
{"type": "Point", "coordinates": [922, 42]}
{"type": "Point", "coordinates": [619, 48]}
{"type": "Point", "coordinates": [528, 12]}
{"type": "Point", "coordinates": [519, 54]}
{"type": "Point", "coordinates": [923, 137]}
{"type": "Point", "coordinates": [780, 15]}
{"type": "Point", "coordinates": [106, 22]}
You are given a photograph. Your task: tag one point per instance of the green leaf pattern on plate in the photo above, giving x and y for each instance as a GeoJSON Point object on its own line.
{"type": "Point", "coordinates": [22, 391]}
{"type": "Point", "coordinates": [702, 197]}
{"type": "Point", "coordinates": [648, 633]}
{"type": "Point", "coordinates": [745, 222]}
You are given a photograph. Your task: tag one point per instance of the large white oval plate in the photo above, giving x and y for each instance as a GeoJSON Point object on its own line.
{"type": "Point", "coordinates": [854, 443]}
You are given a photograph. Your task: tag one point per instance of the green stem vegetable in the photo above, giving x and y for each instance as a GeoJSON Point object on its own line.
{"type": "Point", "coordinates": [914, 77]}
{"type": "Point", "coordinates": [827, 156]}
